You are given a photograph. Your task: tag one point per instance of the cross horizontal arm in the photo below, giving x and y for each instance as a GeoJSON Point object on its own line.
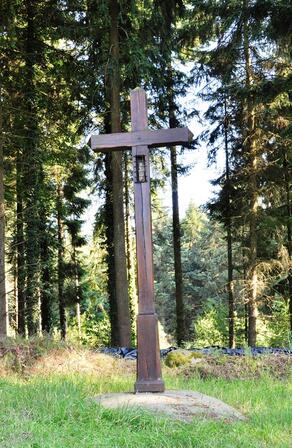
{"type": "Point", "coordinates": [161, 137]}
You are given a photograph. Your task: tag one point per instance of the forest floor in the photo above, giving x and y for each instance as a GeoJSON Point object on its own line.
{"type": "Point", "coordinates": [46, 393]}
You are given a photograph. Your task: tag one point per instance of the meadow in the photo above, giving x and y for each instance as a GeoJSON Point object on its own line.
{"type": "Point", "coordinates": [48, 402]}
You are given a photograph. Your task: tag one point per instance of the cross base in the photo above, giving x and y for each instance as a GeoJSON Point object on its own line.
{"type": "Point", "coordinates": [148, 361]}
{"type": "Point", "coordinates": [149, 386]}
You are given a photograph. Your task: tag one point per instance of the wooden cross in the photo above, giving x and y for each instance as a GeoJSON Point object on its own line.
{"type": "Point", "coordinates": [149, 377]}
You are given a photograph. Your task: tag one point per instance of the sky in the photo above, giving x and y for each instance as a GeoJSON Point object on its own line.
{"type": "Point", "coordinates": [194, 187]}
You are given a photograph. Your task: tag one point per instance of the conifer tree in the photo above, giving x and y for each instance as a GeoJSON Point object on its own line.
{"type": "Point", "coordinates": [241, 27]}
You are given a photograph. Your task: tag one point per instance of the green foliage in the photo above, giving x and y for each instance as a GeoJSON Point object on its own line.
{"type": "Point", "coordinates": [178, 358]}
{"type": "Point", "coordinates": [277, 325]}
{"type": "Point", "coordinates": [211, 327]}
{"type": "Point", "coordinates": [204, 272]}
{"type": "Point", "coordinates": [95, 329]}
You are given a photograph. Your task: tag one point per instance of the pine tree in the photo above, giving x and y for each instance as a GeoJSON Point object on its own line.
{"type": "Point", "coordinates": [75, 206]}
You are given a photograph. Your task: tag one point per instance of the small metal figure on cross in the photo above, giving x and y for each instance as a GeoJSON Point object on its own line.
{"type": "Point", "coordinates": [149, 377]}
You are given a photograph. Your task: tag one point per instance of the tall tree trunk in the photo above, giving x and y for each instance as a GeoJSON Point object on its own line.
{"type": "Point", "coordinates": [287, 180]}
{"type": "Point", "coordinates": [133, 302]}
{"type": "Point", "coordinates": [61, 255]}
{"type": "Point", "coordinates": [31, 177]}
{"type": "Point", "coordinates": [45, 292]}
{"type": "Point", "coordinates": [180, 312]}
{"type": "Point", "coordinates": [111, 280]}
{"type": "Point", "coordinates": [176, 233]}
{"type": "Point", "coordinates": [77, 290]}
{"type": "Point", "coordinates": [244, 290]}
{"type": "Point", "coordinates": [231, 335]}
{"type": "Point", "coordinates": [3, 297]}
{"type": "Point", "coordinates": [45, 267]}
{"type": "Point", "coordinates": [15, 295]}
{"type": "Point", "coordinates": [121, 281]}
{"type": "Point", "coordinates": [250, 147]}
{"type": "Point", "coordinates": [20, 251]}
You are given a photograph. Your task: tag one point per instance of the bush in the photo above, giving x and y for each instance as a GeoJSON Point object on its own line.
{"type": "Point", "coordinates": [179, 358]}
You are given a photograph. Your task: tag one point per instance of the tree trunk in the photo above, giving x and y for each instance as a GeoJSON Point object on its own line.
{"type": "Point", "coordinates": [31, 177]}
{"type": "Point", "coordinates": [231, 335]}
{"type": "Point", "coordinates": [61, 274]}
{"type": "Point", "coordinates": [111, 284]}
{"type": "Point", "coordinates": [176, 233]}
{"type": "Point", "coordinates": [77, 290]}
{"type": "Point", "coordinates": [20, 252]}
{"type": "Point", "coordinates": [245, 293]}
{"type": "Point", "coordinates": [180, 313]}
{"type": "Point", "coordinates": [250, 147]}
{"type": "Point", "coordinates": [45, 292]}
{"type": "Point", "coordinates": [287, 177]}
{"type": "Point", "coordinates": [121, 281]}
{"type": "Point", "coordinates": [129, 254]}
{"type": "Point", "coordinates": [15, 317]}
{"type": "Point", "coordinates": [4, 325]}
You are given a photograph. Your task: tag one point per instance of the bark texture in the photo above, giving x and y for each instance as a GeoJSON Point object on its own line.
{"type": "Point", "coordinates": [287, 177]}
{"type": "Point", "coordinates": [231, 334]}
{"type": "Point", "coordinates": [176, 230]}
{"type": "Point", "coordinates": [31, 177]}
{"type": "Point", "coordinates": [3, 296]}
{"type": "Point", "coordinates": [133, 302]}
{"type": "Point", "coordinates": [61, 274]}
{"type": "Point", "coordinates": [45, 292]}
{"type": "Point", "coordinates": [110, 259]}
{"type": "Point", "coordinates": [121, 281]}
{"type": "Point", "coordinates": [20, 253]}
{"type": "Point", "coordinates": [77, 289]}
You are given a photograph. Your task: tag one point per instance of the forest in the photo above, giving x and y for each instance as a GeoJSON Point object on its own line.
{"type": "Point", "coordinates": [223, 271]}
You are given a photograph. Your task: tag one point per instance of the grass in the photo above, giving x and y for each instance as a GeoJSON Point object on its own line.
{"type": "Point", "coordinates": [57, 412]}
{"type": "Point", "coordinates": [48, 404]}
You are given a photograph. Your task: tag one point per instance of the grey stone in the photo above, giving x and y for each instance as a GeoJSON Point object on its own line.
{"type": "Point", "coordinates": [178, 405]}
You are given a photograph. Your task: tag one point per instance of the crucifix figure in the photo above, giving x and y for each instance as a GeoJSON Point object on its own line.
{"type": "Point", "coordinates": [140, 139]}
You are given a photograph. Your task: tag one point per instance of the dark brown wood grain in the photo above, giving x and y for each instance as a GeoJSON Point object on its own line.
{"type": "Point", "coordinates": [143, 210]}
{"type": "Point", "coordinates": [148, 366]}
{"type": "Point", "coordinates": [148, 361]}
{"type": "Point", "coordinates": [161, 137]}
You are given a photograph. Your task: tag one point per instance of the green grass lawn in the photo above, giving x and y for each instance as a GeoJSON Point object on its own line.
{"type": "Point", "coordinates": [57, 412]}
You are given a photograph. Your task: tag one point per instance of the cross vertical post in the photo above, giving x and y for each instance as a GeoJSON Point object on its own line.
{"type": "Point", "coordinates": [148, 361]}
{"type": "Point", "coordinates": [140, 139]}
